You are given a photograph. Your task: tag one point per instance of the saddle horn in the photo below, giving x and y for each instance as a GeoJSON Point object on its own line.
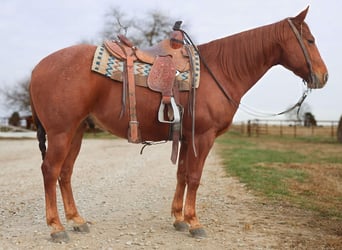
{"type": "Point", "coordinates": [177, 25]}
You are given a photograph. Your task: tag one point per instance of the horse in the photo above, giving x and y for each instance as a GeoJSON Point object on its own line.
{"type": "Point", "coordinates": [64, 92]}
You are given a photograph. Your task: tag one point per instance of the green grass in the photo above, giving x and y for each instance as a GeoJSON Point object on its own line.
{"type": "Point", "coordinates": [279, 168]}
{"type": "Point", "coordinates": [252, 166]}
{"type": "Point", "coordinates": [99, 135]}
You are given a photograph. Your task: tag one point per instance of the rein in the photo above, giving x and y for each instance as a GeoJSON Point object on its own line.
{"type": "Point", "coordinates": [188, 40]}
{"type": "Point", "coordinates": [239, 104]}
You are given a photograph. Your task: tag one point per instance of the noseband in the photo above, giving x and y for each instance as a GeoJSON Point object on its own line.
{"type": "Point", "coordinates": [302, 45]}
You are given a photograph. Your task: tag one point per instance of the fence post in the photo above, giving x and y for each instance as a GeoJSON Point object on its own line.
{"type": "Point", "coordinates": [249, 128]}
{"type": "Point", "coordinates": [257, 129]}
{"type": "Point", "coordinates": [281, 128]}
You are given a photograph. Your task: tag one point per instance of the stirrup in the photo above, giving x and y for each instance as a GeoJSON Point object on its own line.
{"type": "Point", "coordinates": [176, 115]}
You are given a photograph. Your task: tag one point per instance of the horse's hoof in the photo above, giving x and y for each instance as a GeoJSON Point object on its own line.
{"type": "Point", "coordinates": [83, 228]}
{"type": "Point", "coordinates": [181, 226]}
{"type": "Point", "coordinates": [59, 237]}
{"type": "Point", "coordinates": [198, 233]}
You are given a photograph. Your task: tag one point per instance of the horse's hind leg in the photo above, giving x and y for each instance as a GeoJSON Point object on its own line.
{"type": "Point", "coordinates": [71, 213]}
{"type": "Point", "coordinates": [58, 148]}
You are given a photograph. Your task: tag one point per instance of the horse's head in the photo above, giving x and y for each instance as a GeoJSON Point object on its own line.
{"type": "Point", "coordinates": [300, 54]}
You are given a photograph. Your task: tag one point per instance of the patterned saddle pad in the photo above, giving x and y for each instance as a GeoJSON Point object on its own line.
{"type": "Point", "coordinates": [110, 66]}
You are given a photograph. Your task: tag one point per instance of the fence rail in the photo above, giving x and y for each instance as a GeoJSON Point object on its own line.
{"type": "Point", "coordinates": [286, 128]}
{"type": "Point", "coordinates": [255, 127]}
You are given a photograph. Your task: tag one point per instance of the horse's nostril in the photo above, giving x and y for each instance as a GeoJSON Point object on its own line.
{"type": "Point", "coordinates": [325, 77]}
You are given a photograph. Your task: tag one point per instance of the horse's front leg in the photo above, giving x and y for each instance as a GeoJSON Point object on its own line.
{"type": "Point", "coordinates": [189, 173]}
{"type": "Point", "coordinates": [177, 204]}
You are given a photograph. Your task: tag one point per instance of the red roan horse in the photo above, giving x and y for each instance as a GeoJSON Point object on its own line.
{"type": "Point", "coordinates": [64, 92]}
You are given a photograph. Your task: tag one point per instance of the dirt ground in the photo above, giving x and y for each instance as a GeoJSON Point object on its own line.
{"type": "Point", "coordinates": [127, 197]}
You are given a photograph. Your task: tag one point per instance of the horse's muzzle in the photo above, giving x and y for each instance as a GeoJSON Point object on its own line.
{"type": "Point", "coordinates": [318, 81]}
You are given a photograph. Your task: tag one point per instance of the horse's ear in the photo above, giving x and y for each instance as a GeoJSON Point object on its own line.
{"type": "Point", "coordinates": [301, 16]}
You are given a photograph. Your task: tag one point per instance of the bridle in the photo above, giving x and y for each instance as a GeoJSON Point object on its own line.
{"type": "Point", "coordinates": [308, 62]}
{"type": "Point", "coordinates": [307, 90]}
{"type": "Point", "coordinates": [239, 104]}
{"type": "Point", "coordinates": [188, 40]}
{"type": "Point", "coordinates": [302, 45]}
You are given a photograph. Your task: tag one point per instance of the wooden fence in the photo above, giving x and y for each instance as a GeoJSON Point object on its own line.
{"type": "Point", "coordinates": [286, 128]}
{"type": "Point", "coordinates": [251, 128]}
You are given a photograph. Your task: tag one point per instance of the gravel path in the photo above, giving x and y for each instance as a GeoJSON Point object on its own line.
{"type": "Point", "coordinates": [127, 199]}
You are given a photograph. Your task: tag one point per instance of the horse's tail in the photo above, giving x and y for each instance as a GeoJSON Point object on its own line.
{"type": "Point", "coordinates": [41, 136]}
{"type": "Point", "coordinates": [41, 133]}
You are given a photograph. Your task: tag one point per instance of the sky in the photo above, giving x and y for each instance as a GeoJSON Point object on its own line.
{"type": "Point", "coordinates": [31, 30]}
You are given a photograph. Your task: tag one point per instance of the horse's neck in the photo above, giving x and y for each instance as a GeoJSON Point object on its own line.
{"type": "Point", "coordinates": [242, 59]}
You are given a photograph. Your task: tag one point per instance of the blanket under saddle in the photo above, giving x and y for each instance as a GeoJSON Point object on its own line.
{"type": "Point", "coordinates": [109, 66]}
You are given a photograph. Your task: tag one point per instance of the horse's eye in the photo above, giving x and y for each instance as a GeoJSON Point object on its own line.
{"type": "Point", "coordinates": [311, 41]}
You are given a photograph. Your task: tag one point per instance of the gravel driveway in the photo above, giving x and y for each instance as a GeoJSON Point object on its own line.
{"type": "Point", "coordinates": [126, 197]}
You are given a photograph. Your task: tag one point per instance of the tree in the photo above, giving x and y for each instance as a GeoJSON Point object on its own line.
{"type": "Point", "coordinates": [309, 120]}
{"type": "Point", "coordinates": [146, 31]}
{"type": "Point", "coordinates": [143, 32]}
{"type": "Point", "coordinates": [18, 97]}
{"type": "Point", "coordinates": [298, 113]}
{"type": "Point", "coordinates": [339, 131]}
{"type": "Point", "coordinates": [14, 120]}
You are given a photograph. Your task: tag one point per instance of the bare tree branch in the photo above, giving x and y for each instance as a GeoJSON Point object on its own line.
{"type": "Point", "coordinates": [18, 97]}
{"type": "Point", "coordinates": [142, 31]}
{"type": "Point", "coordinates": [116, 23]}
{"type": "Point", "coordinates": [145, 31]}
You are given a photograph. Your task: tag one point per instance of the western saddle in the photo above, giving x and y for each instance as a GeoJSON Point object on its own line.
{"type": "Point", "coordinates": [167, 58]}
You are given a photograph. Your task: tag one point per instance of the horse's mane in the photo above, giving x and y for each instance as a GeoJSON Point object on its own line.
{"type": "Point", "coordinates": [239, 54]}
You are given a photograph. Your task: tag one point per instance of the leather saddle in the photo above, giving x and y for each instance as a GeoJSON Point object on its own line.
{"type": "Point", "coordinates": [167, 57]}
{"type": "Point", "coordinates": [167, 47]}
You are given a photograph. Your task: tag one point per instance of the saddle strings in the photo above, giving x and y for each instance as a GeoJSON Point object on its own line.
{"type": "Point", "coordinates": [151, 143]}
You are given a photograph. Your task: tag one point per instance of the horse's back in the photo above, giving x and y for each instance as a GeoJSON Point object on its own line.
{"type": "Point", "coordinates": [64, 91]}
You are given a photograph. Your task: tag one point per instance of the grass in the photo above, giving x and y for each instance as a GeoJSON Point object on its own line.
{"type": "Point", "coordinates": [307, 173]}
{"type": "Point", "coordinates": [99, 135]}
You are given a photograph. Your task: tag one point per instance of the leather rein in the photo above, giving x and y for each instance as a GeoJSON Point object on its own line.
{"type": "Point", "coordinates": [308, 62]}
{"type": "Point", "coordinates": [236, 104]}
{"type": "Point", "coordinates": [225, 92]}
